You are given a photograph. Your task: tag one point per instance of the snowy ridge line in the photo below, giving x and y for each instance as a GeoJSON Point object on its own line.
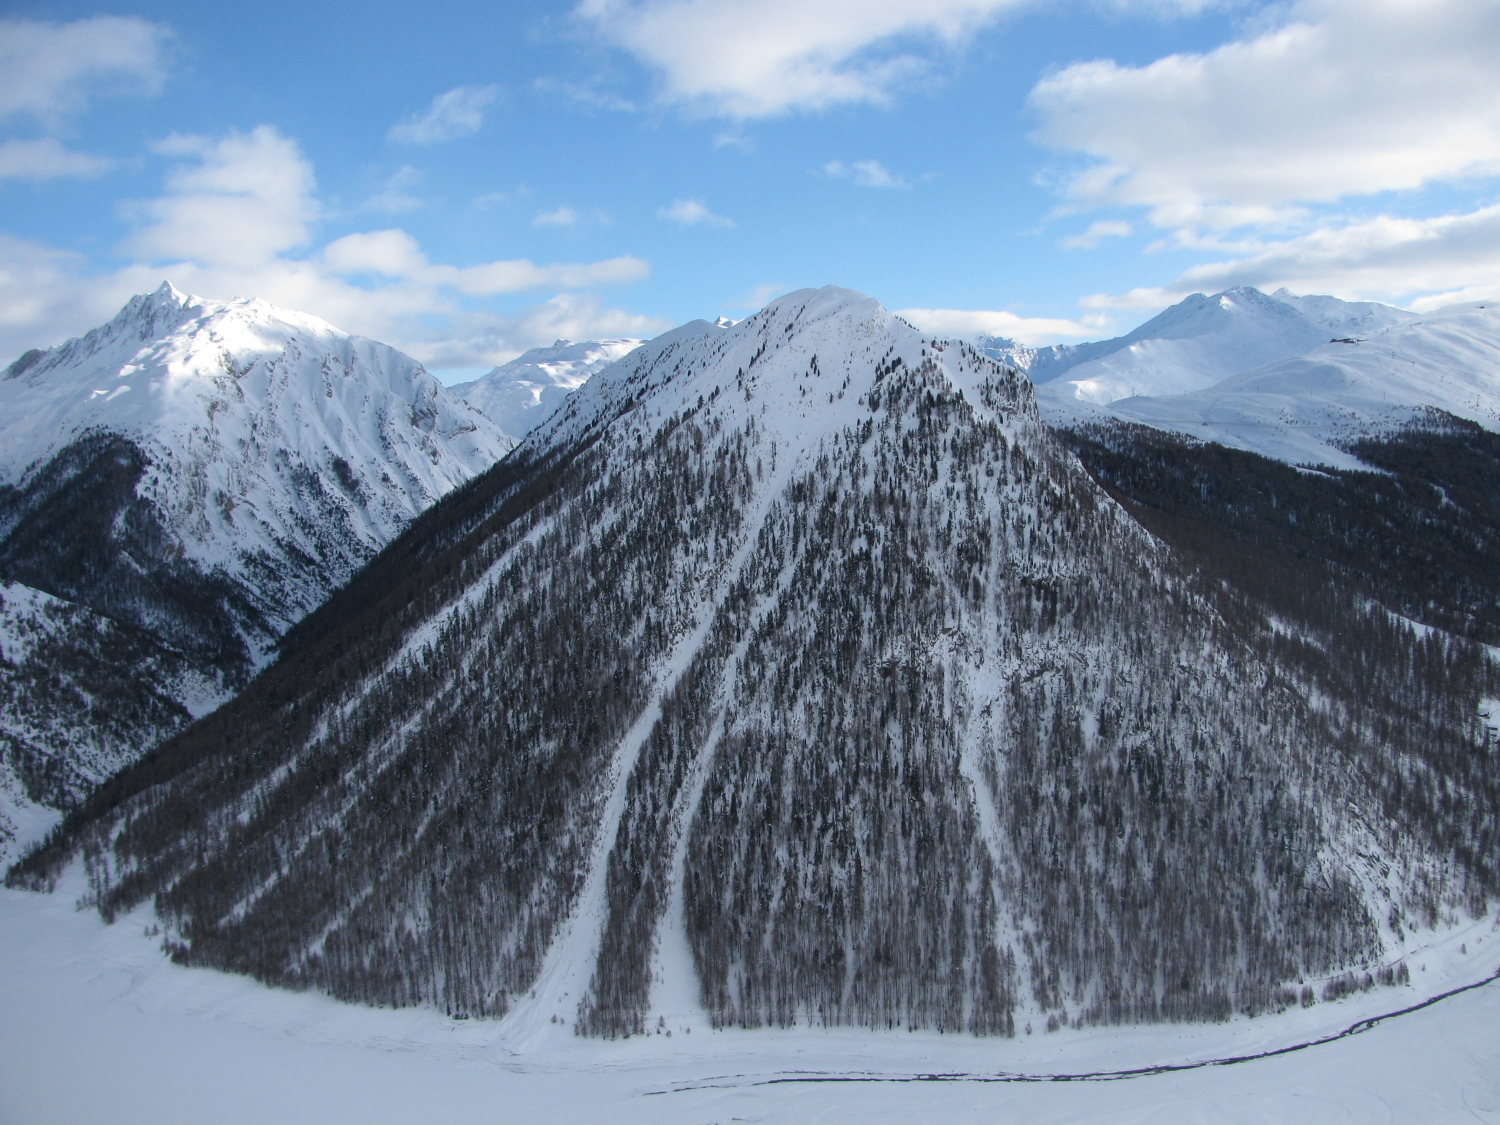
{"type": "Point", "coordinates": [1356, 1028]}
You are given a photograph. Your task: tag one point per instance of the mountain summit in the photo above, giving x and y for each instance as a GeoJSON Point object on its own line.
{"type": "Point", "coordinates": [179, 486]}
{"type": "Point", "coordinates": [520, 394]}
{"type": "Point", "coordinates": [1194, 344]}
{"type": "Point", "coordinates": [794, 673]}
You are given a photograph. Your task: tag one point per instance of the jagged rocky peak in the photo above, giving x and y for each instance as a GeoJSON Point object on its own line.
{"type": "Point", "coordinates": [520, 394]}
{"type": "Point", "coordinates": [201, 474]}
{"type": "Point", "coordinates": [145, 316]}
{"type": "Point", "coordinates": [792, 673]}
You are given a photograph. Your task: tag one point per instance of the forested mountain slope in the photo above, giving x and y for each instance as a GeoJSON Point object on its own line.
{"type": "Point", "coordinates": [178, 487]}
{"type": "Point", "coordinates": [1415, 526]}
{"type": "Point", "coordinates": [797, 668]}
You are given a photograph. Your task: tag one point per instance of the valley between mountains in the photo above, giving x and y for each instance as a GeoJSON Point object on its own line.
{"type": "Point", "coordinates": [810, 671]}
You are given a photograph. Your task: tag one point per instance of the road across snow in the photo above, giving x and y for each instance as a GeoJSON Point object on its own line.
{"type": "Point", "coordinates": [95, 1025]}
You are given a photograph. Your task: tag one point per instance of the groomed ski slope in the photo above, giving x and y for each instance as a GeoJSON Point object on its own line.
{"type": "Point", "coordinates": [95, 1025]}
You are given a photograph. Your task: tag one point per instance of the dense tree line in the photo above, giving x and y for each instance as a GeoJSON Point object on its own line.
{"type": "Point", "coordinates": [1419, 531]}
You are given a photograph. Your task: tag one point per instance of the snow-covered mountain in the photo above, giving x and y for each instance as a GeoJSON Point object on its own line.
{"type": "Point", "coordinates": [179, 486]}
{"type": "Point", "coordinates": [791, 673]}
{"type": "Point", "coordinates": [1310, 407]}
{"type": "Point", "coordinates": [520, 394]}
{"type": "Point", "coordinates": [1194, 344]}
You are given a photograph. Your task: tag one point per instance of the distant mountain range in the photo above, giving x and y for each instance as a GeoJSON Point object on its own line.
{"type": "Point", "coordinates": [1193, 344]}
{"type": "Point", "coordinates": [520, 395]}
{"type": "Point", "coordinates": [1293, 378]}
{"type": "Point", "coordinates": [177, 488]}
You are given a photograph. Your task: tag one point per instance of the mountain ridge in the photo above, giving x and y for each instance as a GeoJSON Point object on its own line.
{"type": "Point", "coordinates": [521, 394]}
{"type": "Point", "coordinates": [199, 474]}
{"type": "Point", "coordinates": [796, 670]}
{"type": "Point", "coordinates": [1193, 344]}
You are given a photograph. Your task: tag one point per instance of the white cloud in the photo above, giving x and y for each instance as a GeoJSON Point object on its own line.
{"type": "Point", "coordinates": [396, 254]}
{"type": "Point", "coordinates": [865, 173]}
{"type": "Point", "coordinates": [758, 58]}
{"type": "Point", "coordinates": [50, 70]}
{"type": "Point", "coordinates": [47, 159]}
{"type": "Point", "coordinates": [397, 197]}
{"type": "Point", "coordinates": [44, 297]}
{"type": "Point", "coordinates": [1032, 331]}
{"type": "Point", "coordinates": [567, 316]}
{"type": "Point", "coordinates": [454, 114]}
{"type": "Point", "coordinates": [241, 200]}
{"type": "Point", "coordinates": [501, 198]}
{"type": "Point", "coordinates": [563, 216]}
{"type": "Point", "coordinates": [691, 213]}
{"type": "Point", "coordinates": [236, 219]}
{"type": "Point", "coordinates": [584, 96]}
{"type": "Point", "coordinates": [1097, 233]}
{"type": "Point", "coordinates": [1404, 261]}
{"type": "Point", "coordinates": [1339, 98]}
{"type": "Point", "coordinates": [755, 58]}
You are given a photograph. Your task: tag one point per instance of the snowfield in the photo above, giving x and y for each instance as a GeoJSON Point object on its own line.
{"type": "Point", "coordinates": [522, 394]}
{"type": "Point", "coordinates": [1262, 374]}
{"type": "Point", "coordinates": [96, 1025]}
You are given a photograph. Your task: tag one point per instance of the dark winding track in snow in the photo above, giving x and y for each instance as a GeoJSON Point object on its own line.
{"type": "Point", "coordinates": [720, 1082]}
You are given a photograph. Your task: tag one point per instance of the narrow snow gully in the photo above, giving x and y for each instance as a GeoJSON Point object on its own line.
{"type": "Point", "coordinates": [550, 1008]}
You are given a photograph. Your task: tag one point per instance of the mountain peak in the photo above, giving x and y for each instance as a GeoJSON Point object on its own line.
{"type": "Point", "coordinates": [520, 394]}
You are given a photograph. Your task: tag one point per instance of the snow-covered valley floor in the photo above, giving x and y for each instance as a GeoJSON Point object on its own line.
{"type": "Point", "coordinates": [96, 1026]}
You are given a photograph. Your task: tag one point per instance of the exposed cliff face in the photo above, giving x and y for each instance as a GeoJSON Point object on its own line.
{"type": "Point", "coordinates": [197, 475]}
{"type": "Point", "coordinates": [796, 668]}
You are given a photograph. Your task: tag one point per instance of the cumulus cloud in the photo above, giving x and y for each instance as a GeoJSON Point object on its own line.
{"type": "Point", "coordinates": [1033, 331]}
{"type": "Point", "coordinates": [493, 340]}
{"type": "Point", "coordinates": [237, 218]}
{"type": "Point", "coordinates": [1339, 98]}
{"type": "Point", "coordinates": [756, 58]}
{"type": "Point", "coordinates": [457, 113]}
{"type": "Point", "coordinates": [51, 70]}
{"type": "Point", "coordinates": [237, 200]}
{"type": "Point", "coordinates": [47, 159]}
{"type": "Point", "coordinates": [1256, 151]}
{"type": "Point", "coordinates": [865, 173]}
{"type": "Point", "coordinates": [396, 254]}
{"type": "Point", "coordinates": [692, 213]}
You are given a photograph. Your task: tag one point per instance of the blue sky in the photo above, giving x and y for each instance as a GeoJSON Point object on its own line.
{"type": "Point", "coordinates": [468, 180]}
